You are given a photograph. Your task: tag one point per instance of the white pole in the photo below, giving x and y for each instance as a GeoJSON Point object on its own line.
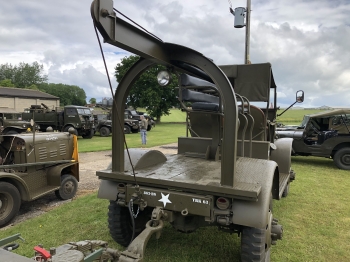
{"type": "Point", "coordinates": [247, 34]}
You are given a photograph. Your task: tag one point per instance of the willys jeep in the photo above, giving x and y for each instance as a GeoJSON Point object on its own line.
{"type": "Point", "coordinates": [324, 134]}
{"type": "Point", "coordinates": [35, 164]}
{"type": "Point", "coordinates": [224, 176]}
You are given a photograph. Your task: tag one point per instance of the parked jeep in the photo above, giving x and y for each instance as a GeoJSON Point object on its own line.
{"type": "Point", "coordinates": [133, 114]}
{"type": "Point", "coordinates": [102, 124]}
{"type": "Point", "coordinates": [325, 134]}
{"type": "Point", "coordinates": [11, 122]}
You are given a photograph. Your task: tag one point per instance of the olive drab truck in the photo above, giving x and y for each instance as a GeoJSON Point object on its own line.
{"type": "Point", "coordinates": [228, 167]}
{"type": "Point", "coordinates": [33, 165]}
{"type": "Point", "coordinates": [78, 117]}
{"type": "Point", "coordinates": [11, 122]}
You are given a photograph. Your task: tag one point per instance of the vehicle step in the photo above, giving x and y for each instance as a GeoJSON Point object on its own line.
{"type": "Point", "coordinates": [284, 179]}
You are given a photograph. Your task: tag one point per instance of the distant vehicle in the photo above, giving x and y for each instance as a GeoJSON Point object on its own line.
{"type": "Point", "coordinates": [33, 165]}
{"type": "Point", "coordinates": [103, 123]}
{"type": "Point", "coordinates": [133, 114]}
{"type": "Point", "coordinates": [11, 122]}
{"type": "Point", "coordinates": [78, 117]}
{"type": "Point", "coordinates": [325, 134]}
{"type": "Point", "coordinates": [282, 127]}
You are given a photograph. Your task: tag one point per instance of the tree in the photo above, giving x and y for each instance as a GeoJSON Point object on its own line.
{"type": "Point", "coordinates": [68, 94]}
{"type": "Point", "coordinates": [6, 83]}
{"type": "Point", "coordinates": [92, 100]}
{"type": "Point", "coordinates": [24, 75]}
{"type": "Point", "coordinates": [146, 92]}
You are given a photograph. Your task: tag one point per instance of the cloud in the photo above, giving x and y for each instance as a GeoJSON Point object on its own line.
{"type": "Point", "coordinates": [305, 41]}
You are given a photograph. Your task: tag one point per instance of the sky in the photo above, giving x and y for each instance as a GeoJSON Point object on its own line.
{"type": "Point", "coordinates": [306, 41]}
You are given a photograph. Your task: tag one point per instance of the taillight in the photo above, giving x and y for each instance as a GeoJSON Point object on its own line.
{"type": "Point", "coordinates": [222, 203]}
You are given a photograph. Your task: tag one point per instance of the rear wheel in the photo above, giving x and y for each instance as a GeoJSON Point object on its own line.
{"type": "Point", "coordinates": [127, 129]}
{"type": "Point", "coordinates": [10, 202]}
{"type": "Point", "coordinates": [104, 131]}
{"type": "Point", "coordinates": [120, 224]}
{"type": "Point", "coordinates": [342, 158]}
{"type": "Point", "coordinates": [68, 188]}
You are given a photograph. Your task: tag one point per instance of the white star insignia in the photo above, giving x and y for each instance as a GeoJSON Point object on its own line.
{"type": "Point", "coordinates": [165, 199]}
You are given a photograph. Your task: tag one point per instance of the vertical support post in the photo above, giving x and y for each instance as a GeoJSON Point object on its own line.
{"type": "Point", "coordinates": [247, 34]}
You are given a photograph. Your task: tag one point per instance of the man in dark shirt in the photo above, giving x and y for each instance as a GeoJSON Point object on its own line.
{"type": "Point", "coordinates": [143, 129]}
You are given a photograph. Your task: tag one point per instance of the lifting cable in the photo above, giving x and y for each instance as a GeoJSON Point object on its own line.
{"type": "Point", "coordinates": [115, 105]}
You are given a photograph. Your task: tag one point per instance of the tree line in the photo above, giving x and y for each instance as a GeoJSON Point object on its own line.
{"type": "Point", "coordinates": [31, 76]}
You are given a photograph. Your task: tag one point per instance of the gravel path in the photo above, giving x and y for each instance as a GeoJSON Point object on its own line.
{"type": "Point", "coordinates": [89, 163]}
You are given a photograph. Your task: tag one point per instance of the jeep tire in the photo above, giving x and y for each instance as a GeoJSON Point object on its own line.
{"type": "Point", "coordinates": [342, 158]}
{"type": "Point", "coordinates": [127, 129]}
{"type": "Point", "coordinates": [10, 202]}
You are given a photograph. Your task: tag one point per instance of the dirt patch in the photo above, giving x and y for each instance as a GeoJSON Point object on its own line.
{"type": "Point", "coordinates": [89, 163]}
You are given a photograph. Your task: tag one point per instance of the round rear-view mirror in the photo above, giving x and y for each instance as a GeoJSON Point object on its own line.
{"type": "Point", "coordinates": [300, 96]}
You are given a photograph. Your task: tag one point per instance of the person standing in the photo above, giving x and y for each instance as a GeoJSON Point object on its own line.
{"type": "Point", "coordinates": [143, 129]}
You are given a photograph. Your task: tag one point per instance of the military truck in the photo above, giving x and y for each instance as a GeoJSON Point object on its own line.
{"type": "Point", "coordinates": [133, 114]}
{"type": "Point", "coordinates": [103, 124]}
{"type": "Point", "coordinates": [221, 179]}
{"type": "Point", "coordinates": [78, 117]}
{"type": "Point", "coordinates": [35, 164]}
{"type": "Point", "coordinates": [11, 122]}
{"type": "Point", "coordinates": [324, 134]}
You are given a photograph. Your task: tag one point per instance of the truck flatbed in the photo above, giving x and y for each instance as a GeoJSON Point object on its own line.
{"type": "Point", "coordinates": [194, 174]}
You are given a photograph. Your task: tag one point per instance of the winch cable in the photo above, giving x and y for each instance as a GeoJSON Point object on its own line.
{"type": "Point", "coordinates": [131, 202]}
{"type": "Point", "coordinates": [115, 105]}
{"type": "Point", "coordinates": [137, 25]}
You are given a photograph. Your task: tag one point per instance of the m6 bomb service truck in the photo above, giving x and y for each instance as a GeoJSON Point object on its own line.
{"type": "Point", "coordinates": [225, 174]}
{"type": "Point", "coordinates": [35, 164]}
{"type": "Point", "coordinates": [78, 117]}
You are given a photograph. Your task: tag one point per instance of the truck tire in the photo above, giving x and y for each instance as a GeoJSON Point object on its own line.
{"type": "Point", "coordinates": [149, 127]}
{"type": "Point", "coordinates": [342, 158]}
{"type": "Point", "coordinates": [253, 241]}
{"type": "Point", "coordinates": [253, 245]}
{"type": "Point", "coordinates": [10, 202]}
{"type": "Point", "coordinates": [88, 136]}
{"type": "Point", "coordinates": [68, 188]}
{"type": "Point", "coordinates": [127, 129]}
{"type": "Point", "coordinates": [104, 131]}
{"type": "Point", "coordinates": [120, 225]}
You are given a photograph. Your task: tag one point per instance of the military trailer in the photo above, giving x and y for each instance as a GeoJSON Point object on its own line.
{"type": "Point", "coordinates": [11, 122]}
{"type": "Point", "coordinates": [324, 134]}
{"type": "Point", "coordinates": [221, 179]}
{"type": "Point", "coordinates": [33, 165]}
{"type": "Point", "coordinates": [78, 117]}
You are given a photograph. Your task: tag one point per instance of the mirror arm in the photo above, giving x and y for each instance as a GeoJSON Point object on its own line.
{"type": "Point", "coordinates": [287, 108]}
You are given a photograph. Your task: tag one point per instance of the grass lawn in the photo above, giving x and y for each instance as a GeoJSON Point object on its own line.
{"type": "Point", "coordinates": [315, 215]}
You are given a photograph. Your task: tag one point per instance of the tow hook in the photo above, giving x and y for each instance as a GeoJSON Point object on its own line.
{"type": "Point", "coordinates": [276, 231]}
{"type": "Point", "coordinates": [135, 251]}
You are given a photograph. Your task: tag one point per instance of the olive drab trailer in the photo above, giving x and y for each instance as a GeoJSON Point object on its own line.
{"type": "Point", "coordinates": [33, 165]}
{"type": "Point", "coordinates": [78, 117]}
{"type": "Point", "coordinates": [225, 174]}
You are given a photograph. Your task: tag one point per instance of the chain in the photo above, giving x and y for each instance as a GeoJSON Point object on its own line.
{"type": "Point", "coordinates": [132, 209]}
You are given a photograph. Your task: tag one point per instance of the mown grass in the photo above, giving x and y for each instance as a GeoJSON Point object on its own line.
{"type": "Point", "coordinates": [315, 217]}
